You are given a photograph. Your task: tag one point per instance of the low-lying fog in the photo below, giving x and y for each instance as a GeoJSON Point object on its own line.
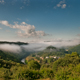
{"type": "Point", "coordinates": [36, 46]}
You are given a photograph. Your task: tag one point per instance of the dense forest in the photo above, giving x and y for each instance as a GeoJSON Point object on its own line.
{"type": "Point", "coordinates": [75, 49]}
{"type": "Point", "coordinates": [16, 43]}
{"type": "Point", "coordinates": [8, 56]}
{"type": "Point", "coordinates": [50, 64]}
{"type": "Point", "coordinates": [67, 68]}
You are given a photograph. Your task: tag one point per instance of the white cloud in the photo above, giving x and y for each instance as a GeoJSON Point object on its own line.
{"type": "Point", "coordinates": [23, 23]}
{"type": "Point", "coordinates": [61, 4]}
{"type": "Point", "coordinates": [58, 5]}
{"type": "Point", "coordinates": [24, 29]}
{"type": "Point", "coordinates": [29, 31]}
{"type": "Point", "coordinates": [1, 1]}
{"type": "Point", "coordinates": [5, 23]}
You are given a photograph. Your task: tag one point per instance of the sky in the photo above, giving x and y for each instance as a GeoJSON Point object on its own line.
{"type": "Point", "coordinates": [40, 21]}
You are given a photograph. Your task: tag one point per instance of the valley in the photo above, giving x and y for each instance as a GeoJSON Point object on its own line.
{"type": "Point", "coordinates": [52, 63]}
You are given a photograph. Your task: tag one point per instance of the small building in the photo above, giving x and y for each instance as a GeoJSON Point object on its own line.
{"type": "Point", "coordinates": [55, 57]}
{"type": "Point", "coordinates": [41, 58]}
{"type": "Point", "coordinates": [47, 57]}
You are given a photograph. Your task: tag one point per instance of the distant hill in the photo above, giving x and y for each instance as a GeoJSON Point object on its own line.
{"type": "Point", "coordinates": [75, 49]}
{"type": "Point", "coordinates": [16, 43]}
{"type": "Point", "coordinates": [51, 47]}
{"type": "Point", "coordinates": [50, 51]}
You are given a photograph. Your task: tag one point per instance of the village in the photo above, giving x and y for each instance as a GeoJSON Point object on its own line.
{"type": "Point", "coordinates": [47, 57]}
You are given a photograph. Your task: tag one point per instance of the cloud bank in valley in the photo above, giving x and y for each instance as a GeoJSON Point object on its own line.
{"type": "Point", "coordinates": [27, 48]}
{"type": "Point", "coordinates": [10, 47]}
{"type": "Point", "coordinates": [38, 46]}
{"type": "Point", "coordinates": [64, 43]}
{"type": "Point", "coordinates": [34, 47]}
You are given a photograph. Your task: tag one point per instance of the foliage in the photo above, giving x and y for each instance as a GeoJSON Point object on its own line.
{"type": "Point", "coordinates": [66, 68]}
{"type": "Point", "coordinates": [51, 47]}
{"type": "Point", "coordinates": [8, 56]}
{"type": "Point", "coordinates": [16, 43]}
{"type": "Point", "coordinates": [47, 73]}
{"type": "Point", "coordinates": [33, 64]}
{"type": "Point", "coordinates": [75, 49]}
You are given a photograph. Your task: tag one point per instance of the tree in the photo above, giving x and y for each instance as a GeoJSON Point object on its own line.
{"type": "Point", "coordinates": [34, 64]}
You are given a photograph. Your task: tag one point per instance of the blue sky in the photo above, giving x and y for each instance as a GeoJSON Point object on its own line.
{"type": "Point", "coordinates": [39, 20]}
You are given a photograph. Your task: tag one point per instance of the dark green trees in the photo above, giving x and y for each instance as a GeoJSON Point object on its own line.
{"type": "Point", "coordinates": [34, 64]}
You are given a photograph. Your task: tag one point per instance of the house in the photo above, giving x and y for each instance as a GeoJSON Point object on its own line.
{"type": "Point", "coordinates": [41, 58]}
{"type": "Point", "coordinates": [47, 57]}
{"type": "Point", "coordinates": [55, 57]}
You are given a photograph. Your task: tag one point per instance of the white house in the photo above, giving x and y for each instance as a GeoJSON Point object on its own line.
{"type": "Point", "coordinates": [47, 57]}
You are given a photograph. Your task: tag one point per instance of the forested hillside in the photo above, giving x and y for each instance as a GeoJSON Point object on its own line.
{"type": "Point", "coordinates": [16, 43]}
{"type": "Point", "coordinates": [67, 68]}
{"type": "Point", "coordinates": [75, 49]}
{"type": "Point", "coordinates": [50, 51]}
{"type": "Point", "coordinates": [8, 56]}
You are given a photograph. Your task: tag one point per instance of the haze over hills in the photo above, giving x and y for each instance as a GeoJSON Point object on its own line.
{"type": "Point", "coordinates": [22, 49]}
{"type": "Point", "coordinates": [18, 51]}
